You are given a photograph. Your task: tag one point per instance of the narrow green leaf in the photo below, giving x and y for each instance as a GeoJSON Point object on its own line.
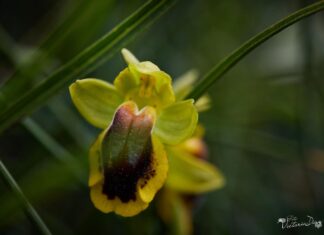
{"type": "Point", "coordinates": [227, 63]}
{"type": "Point", "coordinates": [84, 62]}
{"type": "Point", "coordinates": [84, 14]}
{"type": "Point", "coordinates": [44, 182]}
{"type": "Point", "coordinates": [31, 212]}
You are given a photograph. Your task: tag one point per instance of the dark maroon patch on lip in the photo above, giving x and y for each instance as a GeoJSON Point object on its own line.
{"type": "Point", "coordinates": [121, 179]}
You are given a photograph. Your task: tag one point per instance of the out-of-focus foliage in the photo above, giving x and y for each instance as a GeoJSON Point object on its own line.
{"type": "Point", "coordinates": [264, 130]}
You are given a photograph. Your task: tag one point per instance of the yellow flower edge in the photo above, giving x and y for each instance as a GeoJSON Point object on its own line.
{"type": "Point", "coordinates": [144, 194]}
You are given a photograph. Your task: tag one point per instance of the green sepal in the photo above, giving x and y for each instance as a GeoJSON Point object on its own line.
{"type": "Point", "coordinates": [189, 174]}
{"type": "Point", "coordinates": [96, 100]}
{"type": "Point", "coordinates": [176, 122]}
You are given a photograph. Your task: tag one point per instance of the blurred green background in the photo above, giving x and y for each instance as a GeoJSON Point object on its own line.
{"type": "Point", "coordinates": [265, 130]}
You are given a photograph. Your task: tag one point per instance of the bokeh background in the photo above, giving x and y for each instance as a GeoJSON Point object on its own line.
{"type": "Point", "coordinates": [265, 130]}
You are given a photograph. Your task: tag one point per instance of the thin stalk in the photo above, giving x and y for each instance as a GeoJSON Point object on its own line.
{"type": "Point", "coordinates": [32, 213]}
{"type": "Point", "coordinates": [228, 62]}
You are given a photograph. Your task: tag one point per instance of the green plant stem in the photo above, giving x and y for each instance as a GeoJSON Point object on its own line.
{"type": "Point", "coordinates": [86, 61]}
{"type": "Point", "coordinates": [32, 213]}
{"type": "Point", "coordinates": [227, 63]}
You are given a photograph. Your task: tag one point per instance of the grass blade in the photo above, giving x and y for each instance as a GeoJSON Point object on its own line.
{"type": "Point", "coordinates": [84, 62]}
{"type": "Point", "coordinates": [32, 213]}
{"type": "Point", "coordinates": [227, 63]}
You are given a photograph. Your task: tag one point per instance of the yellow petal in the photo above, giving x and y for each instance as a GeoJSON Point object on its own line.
{"type": "Point", "coordinates": [96, 173]}
{"type": "Point", "coordinates": [195, 146]}
{"type": "Point", "coordinates": [102, 203]}
{"type": "Point", "coordinates": [146, 85]}
{"type": "Point", "coordinates": [145, 67]}
{"type": "Point", "coordinates": [100, 200]}
{"type": "Point", "coordinates": [148, 187]}
{"type": "Point", "coordinates": [130, 208]}
{"type": "Point", "coordinates": [203, 103]}
{"type": "Point", "coordinates": [184, 84]}
{"type": "Point", "coordinates": [129, 57]}
{"type": "Point", "coordinates": [96, 100]}
{"type": "Point", "coordinates": [189, 174]}
{"type": "Point", "coordinates": [177, 122]}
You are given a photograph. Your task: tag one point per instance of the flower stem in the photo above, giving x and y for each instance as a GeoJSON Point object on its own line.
{"type": "Point", "coordinates": [228, 62]}
{"type": "Point", "coordinates": [31, 212]}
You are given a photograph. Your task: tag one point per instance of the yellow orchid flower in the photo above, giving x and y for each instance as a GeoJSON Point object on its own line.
{"type": "Point", "coordinates": [139, 116]}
